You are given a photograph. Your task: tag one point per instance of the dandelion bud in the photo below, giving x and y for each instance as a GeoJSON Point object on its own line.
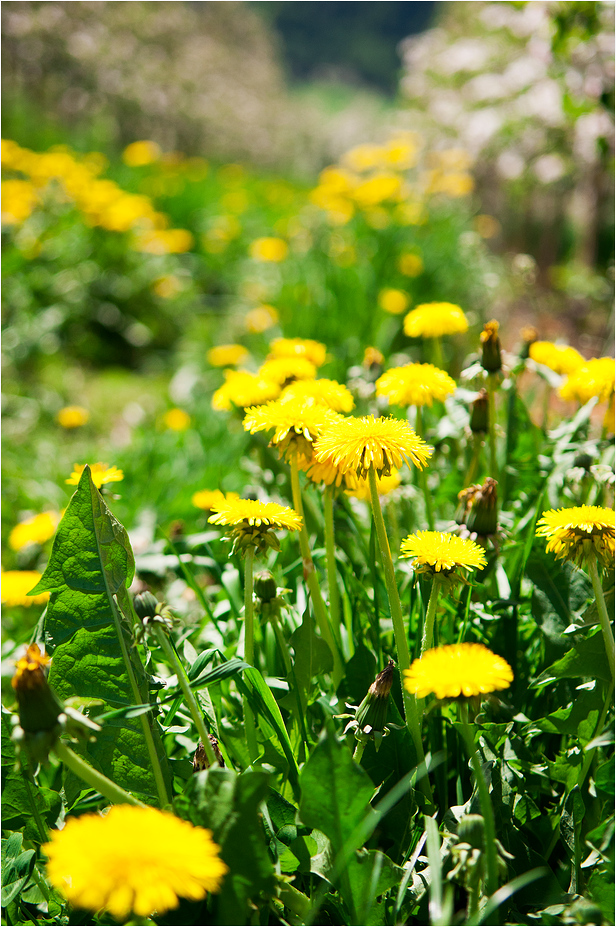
{"type": "Point", "coordinates": [529, 335]}
{"type": "Point", "coordinates": [471, 830]}
{"type": "Point", "coordinates": [200, 760]}
{"type": "Point", "coordinates": [265, 586]}
{"type": "Point", "coordinates": [38, 707]}
{"type": "Point", "coordinates": [481, 514]}
{"type": "Point", "coordinates": [146, 605]}
{"type": "Point", "coordinates": [491, 348]}
{"type": "Point", "coordinates": [480, 414]}
{"type": "Point", "coordinates": [371, 715]}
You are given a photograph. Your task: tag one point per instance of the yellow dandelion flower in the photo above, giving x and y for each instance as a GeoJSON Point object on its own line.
{"type": "Point", "coordinates": [16, 584]}
{"type": "Point", "coordinates": [558, 357]}
{"type": "Point", "coordinates": [227, 355]}
{"type": "Point", "coordinates": [283, 370]}
{"type": "Point", "coordinates": [101, 473]}
{"type": "Point", "coordinates": [458, 670]}
{"type": "Point", "coordinates": [138, 154]}
{"type": "Point", "coordinates": [133, 861]}
{"type": "Point", "coordinates": [436, 552]}
{"type": "Point", "coordinates": [207, 498]}
{"type": "Point", "coordinates": [415, 385]}
{"type": "Point", "coordinates": [296, 424]}
{"type": "Point", "coordinates": [163, 241]}
{"type": "Point", "coordinates": [35, 530]}
{"type": "Point", "coordinates": [593, 378]}
{"type": "Point", "coordinates": [326, 472]}
{"type": "Point", "coordinates": [432, 320]}
{"type": "Point", "coordinates": [372, 356]}
{"type": "Point", "coordinates": [384, 485]}
{"type": "Point", "coordinates": [242, 389]}
{"type": "Point", "coordinates": [410, 264]}
{"type": "Point", "coordinates": [19, 198]}
{"type": "Point", "coordinates": [72, 417]}
{"type": "Point", "coordinates": [229, 511]}
{"type": "Point", "coordinates": [313, 351]}
{"type": "Point", "coordinates": [378, 188]}
{"type": "Point", "coordinates": [176, 420]}
{"type": "Point", "coordinates": [369, 443]}
{"type": "Point", "coordinates": [579, 533]}
{"type": "Point", "coordinates": [393, 301]}
{"type": "Point", "coordinates": [323, 392]}
{"type": "Point", "coordinates": [269, 250]}
{"type": "Point", "coordinates": [260, 319]}
{"type": "Point", "coordinates": [362, 158]}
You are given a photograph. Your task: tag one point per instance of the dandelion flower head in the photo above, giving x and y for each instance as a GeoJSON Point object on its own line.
{"type": "Point", "coordinates": [242, 389]}
{"type": "Point", "coordinates": [253, 522]}
{"type": "Point", "coordinates": [133, 860]}
{"type": "Point", "coordinates": [269, 250]}
{"type": "Point", "coordinates": [176, 420]}
{"type": "Point", "coordinates": [16, 584]}
{"type": "Point", "coordinates": [457, 670]}
{"type": "Point", "coordinates": [35, 530]}
{"type": "Point", "coordinates": [101, 473]}
{"type": "Point", "coordinates": [593, 378]}
{"type": "Point", "coordinates": [393, 301]}
{"type": "Point", "coordinates": [432, 320]}
{"type": "Point", "coordinates": [415, 385]}
{"type": "Point", "coordinates": [227, 355]}
{"type": "Point", "coordinates": [579, 533]}
{"type": "Point", "coordinates": [284, 370]}
{"type": "Point", "coordinates": [261, 318]}
{"type": "Point", "coordinates": [313, 351]}
{"type": "Point", "coordinates": [328, 393]}
{"type": "Point", "coordinates": [558, 357]}
{"type": "Point", "coordinates": [296, 424]}
{"type": "Point", "coordinates": [369, 443]}
{"type": "Point", "coordinates": [384, 485]}
{"type": "Point", "coordinates": [72, 417]}
{"type": "Point", "coordinates": [207, 498]}
{"type": "Point", "coordinates": [436, 552]}
{"type": "Point", "coordinates": [410, 264]}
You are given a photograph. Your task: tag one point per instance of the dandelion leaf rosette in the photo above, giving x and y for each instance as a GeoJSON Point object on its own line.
{"type": "Point", "coordinates": [91, 563]}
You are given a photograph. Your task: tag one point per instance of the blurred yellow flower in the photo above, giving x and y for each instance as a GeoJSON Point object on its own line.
{"type": "Point", "coordinates": [431, 320]}
{"type": "Point", "coordinates": [15, 587]}
{"type": "Point", "coordinates": [415, 385]}
{"type": "Point", "coordinates": [324, 392]}
{"type": "Point", "coordinates": [167, 287]}
{"type": "Point", "coordinates": [457, 670]}
{"type": "Point", "coordinates": [378, 188]}
{"type": "Point", "coordinates": [260, 319]}
{"type": "Point", "coordinates": [138, 154]}
{"type": "Point", "coordinates": [132, 861]}
{"type": "Point", "coordinates": [163, 241]}
{"type": "Point", "coordinates": [410, 264]}
{"type": "Point", "coordinates": [313, 351]}
{"type": "Point", "coordinates": [372, 356]}
{"type": "Point", "coordinates": [594, 378]}
{"type": "Point", "coordinates": [269, 250]}
{"type": "Point", "coordinates": [364, 157]}
{"type": "Point", "coordinates": [558, 357]}
{"type": "Point", "coordinates": [283, 370]}
{"type": "Point", "coordinates": [208, 498]}
{"type": "Point", "coordinates": [101, 473]}
{"type": "Point", "coordinates": [35, 530]}
{"type": "Point", "coordinates": [176, 420]}
{"type": "Point", "coordinates": [486, 226]}
{"type": "Point", "coordinates": [384, 485]}
{"type": "Point", "coordinates": [227, 355]}
{"type": "Point", "coordinates": [72, 416]}
{"type": "Point", "coordinates": [19, 198]}
{"type": "Point", "coordinates": [369, 443]}
{"type": "Point", "coordinates": [242, 389]}
{"type": "Point", "coordinates": [393, 301]}
{"type": "Point", "coordinates": [579, 532]}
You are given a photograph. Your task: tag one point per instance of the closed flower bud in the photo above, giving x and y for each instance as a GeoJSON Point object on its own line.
{"type": "Point", "coordinates": [200, 760]}
{"type": "Point", "coordinates": [146, 605]}
{"type": "Point", "coordinates": [371, 716]}
{"type": "Point", "coordinates": [265, 586]}
{"type": "Point", "coordinates": [491, 348]}
{"type": "Point", "coordinates": [480, 414]}
{"type": "Point", "coordinates": [38, 707]}
{"type": "Point", "coordinates": [482, 508]}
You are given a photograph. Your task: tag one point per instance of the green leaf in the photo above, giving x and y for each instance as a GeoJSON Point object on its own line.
{"type": "Point", "coordinates": [371, 874]}
{"type": "Point", "coordinates": [586, 659]}
{"type": "Point", "coordinates": [604, 778]}
{"type": "Point", "coordinates": [90, 568]}
{"type": "Point", "coordinates": [312, 655]}
{"type": "Point", "coordinates": [17, 866]}
{"type": "Point", "coordinates": [567, 720]}
{"type": "Point", "coordinates": [229, 805]}
{"type": "Point", "coordinates": [560, 595]}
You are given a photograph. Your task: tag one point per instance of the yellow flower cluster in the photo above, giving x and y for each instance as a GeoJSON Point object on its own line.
{"type": "Point", "coordinates": [102, 202]}
{"type": "Point", "coordinates": [310, 350]}
{"type": "Point", "coordinates": [241, 389]}
{"type": "Point", "coordinates": [593, 378]}
{"type": "Point", "coordinates": [296, 424]}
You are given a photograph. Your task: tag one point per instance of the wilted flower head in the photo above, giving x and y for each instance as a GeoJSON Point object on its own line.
{"type": "Point", "coordinates": [432, 320]}
{"type": "Point", "coordinates": [132, 860]}
{"type": "Point", "coordinates": [369, 443]}
{"type": "Point", "coordinates": [579, 533]}
{"type": "Point", "coordinates": [458, 670]}
{"type": "Point", "coordinates": [415, 385]}
{"type": "Point", "coordinates": [491, 347]}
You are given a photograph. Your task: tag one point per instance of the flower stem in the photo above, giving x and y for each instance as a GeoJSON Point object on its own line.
{"type": "Point", "coordinates": [423, 476]}
{"type": "Point", "coordinates": [395, 608]}
{"type": "Point", "coordinates": [189, 695]}
{"type": "Point", "coordinates": [282, 645]}
{"type": "Point", "coordinates": [474, 464]}
{"type": "Point", "coordinates": [145, 723]}
{"type": "Point", "coordinates": [492, 385]}
{"type": "Point", "coordinates": [93, 777]}
{"type": "Point", "coordinates": [249, 651]}
{"type": "Point", "coordinates": [359, 751]}
{"type": "Point", "coordinates": [312, 580]}
{"type": "Point", "coordinates": [330, 548]}
{"type": "Point", "coordinates": [485, 802]}
{"type": "Point", "coordinates": [428, 628]}
{"type": "Point", "coordinates": [604, 620]}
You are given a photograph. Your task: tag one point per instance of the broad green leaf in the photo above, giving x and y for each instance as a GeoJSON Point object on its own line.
{"type": "Point", "coordinates": [371, 874]}
{"type": "Point", "coordinates": [566, 720]}
{"type": "Point", "coordinates": [90, 568]}
{"type": "Point", "coordinates": [560, 595]}
{"type": "Point", "coordinates": [586, 659]}
{"type": "Point", "coordinates": [312, 656]}
{"type": "Point", "coordinates": [17, 866]}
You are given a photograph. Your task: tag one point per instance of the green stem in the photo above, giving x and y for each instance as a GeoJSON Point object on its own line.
{"type": "Point", "coordinates": [145, 723]}
{"type": "Point", "coordinates": [428, 628]}
{"type": "Point", "coordinates": [359, 750]}
{"type": "Point", "coordinates": [590, 754]}
{"type": "Point", "coordinates": [474, 464]}
{"type": "Point", "coordinates": [312, 580]}
{"type": "Point", "coordinates": [492, 384]}
{"type": "Point", "coordinates": [485, 802]}
{"type": "Point", "coordinates": [282, 646]}
{"type": "Point", "coordinates": [604, 620]}
{"type": "Point", "coordinates": [197, 715]}
{"type": "Point", "coordinates": [423, 476]}
{"type": "Point", "coordinates": [438, 354]}
{"type": "Point", "coordinates": [395, 608]}
{"type": "Point", "coordinates": [249, 650]}
{"type": "Point", "coordinates": [93, 778]}
{"type": "Point", "coordinates": [330, 548]}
